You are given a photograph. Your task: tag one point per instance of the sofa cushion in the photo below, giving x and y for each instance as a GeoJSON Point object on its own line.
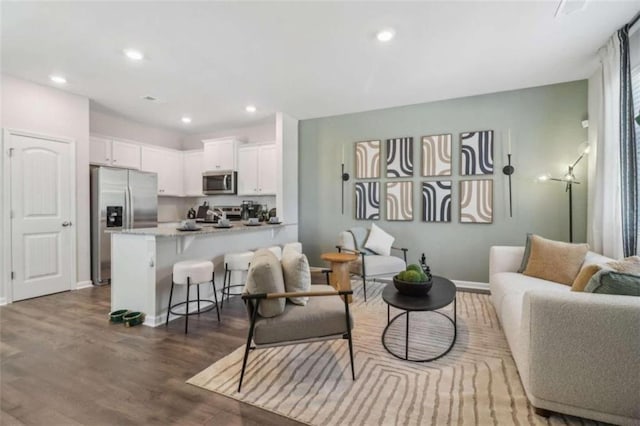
{"type": "Point", "coordinates": [265, 276]}
{"type": "Point", "coordinates": [323, 316]}
{"type": "Point", "coordinates": [378, 265]}
{"type": "Point", "coordinates": [555, 260]}
{"type": "Point", "coordinates": [379, 241]}
{"type": "Point", "coordinates": [612, 282]}
{"type": "Point", "coordinates": [297, 275]}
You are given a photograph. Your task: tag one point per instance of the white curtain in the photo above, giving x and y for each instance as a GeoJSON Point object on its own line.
{"type": "Point", "coordinates": [604, 215]}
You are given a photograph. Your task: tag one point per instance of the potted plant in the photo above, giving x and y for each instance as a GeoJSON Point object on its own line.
{"type": "Point", "coordinates": [413, 281]}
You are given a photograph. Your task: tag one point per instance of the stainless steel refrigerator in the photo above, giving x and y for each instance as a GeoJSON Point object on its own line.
{"type": "Point", "coordinates": [120, 199]}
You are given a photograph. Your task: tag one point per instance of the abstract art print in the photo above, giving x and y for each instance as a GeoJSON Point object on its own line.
{"type": "Point", "coordinates": [368, 160]}
{"type": "Point", "coordinates": [476, 153]}
{"type": "Point", "coordinates": [476, 201]}
{"type": "Point", "coordinates": [400, 157]}
{"type": "Point", "coordinates": [436, 155]}
{"type": "Point", "coordinates": [436, 201]}
{"type": "Point", "coordinates": [367, 200]}
{"type": "Point", "coordinates": [399, 200]}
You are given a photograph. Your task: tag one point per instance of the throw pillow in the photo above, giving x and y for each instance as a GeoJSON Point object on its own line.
{"type": "Point", "coordinates": [265, 276]}
{"type": "Point", "coordinates": [554, 260]}
{"type": "Point", "coordinates": [297, 275]}
{"type": "Point", "coordinates": [527, 253]}
{"type": "Point", "coordinates": [629, 265]}
{"type": "Point", "coordinates": [612, 282]}
{"type": "Point", "coordinates": [584, 276]}
{"type": "Point", "coordinates": [379, 241]}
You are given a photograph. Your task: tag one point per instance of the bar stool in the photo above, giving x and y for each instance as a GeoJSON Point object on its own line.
{"type": "Point", "coordinates": [192, 272]}
{"type": "Point", "coordinates": [234, 262]}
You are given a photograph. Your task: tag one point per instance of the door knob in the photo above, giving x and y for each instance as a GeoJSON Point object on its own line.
{"type": "Point", "coordinates": [65, 223]}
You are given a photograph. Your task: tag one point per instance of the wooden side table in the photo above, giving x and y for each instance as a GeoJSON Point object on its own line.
{"type": "Point", "coordinates": [340, 279]}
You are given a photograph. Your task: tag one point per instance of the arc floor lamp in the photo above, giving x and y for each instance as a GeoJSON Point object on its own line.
{"type": "Point", "coordinates": [569, 180]}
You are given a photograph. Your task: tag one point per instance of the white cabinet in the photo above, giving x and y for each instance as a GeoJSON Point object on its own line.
{"type": "Point", "coordinates": [99, 151]}
{"type": "Point", "coordinates": [167, 164]}
{"type": "Point", "coordinates": [125, 154]}
{"type": "Point", "coordinates": [116, 153]}
{"type": "Point", "coordinates": [220, 154]}
{"type": "Point", "coordinates": [257, 170]}
{"type": "Point", "coordinates": [193, 165]}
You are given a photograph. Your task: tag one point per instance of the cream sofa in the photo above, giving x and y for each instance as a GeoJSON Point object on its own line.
{"type": "Point", "coordinates": [576, 353]}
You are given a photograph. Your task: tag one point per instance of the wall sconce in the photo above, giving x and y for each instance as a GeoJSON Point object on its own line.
{"type": "Point", "coordinates": [344, 177]}
{"type": "Point", "coordinates": [509, 170]}
{"type": "Point", "coordinates": [569, 179]}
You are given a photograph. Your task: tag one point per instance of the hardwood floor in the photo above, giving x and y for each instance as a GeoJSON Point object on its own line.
{"type": "Point", "coordinates": [63, 363]}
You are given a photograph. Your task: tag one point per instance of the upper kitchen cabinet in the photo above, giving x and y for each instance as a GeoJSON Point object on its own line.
{"type": "Point", "coordinates": [109, 152]}
{"type": "Point", "coordinates": [193, 164]}
{"type": "Point", "coordinates": [257, 170]}
{"type": "Point", "coordinates": [220, 154]}
{"type": "Point", "coordinates": [167, 163]}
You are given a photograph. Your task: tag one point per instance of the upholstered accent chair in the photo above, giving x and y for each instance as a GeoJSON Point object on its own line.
{"type": "Point", "coordinates": [370, 265]}
{"type": "Point", "coordinates": [285, 308]}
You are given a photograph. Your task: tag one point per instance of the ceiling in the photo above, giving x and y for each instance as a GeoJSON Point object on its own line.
{"type": "Point", "coordinates": [310, 59]}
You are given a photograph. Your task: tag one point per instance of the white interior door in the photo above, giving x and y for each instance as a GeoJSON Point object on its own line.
{"type": "Point", "coordinates": [42, 234]}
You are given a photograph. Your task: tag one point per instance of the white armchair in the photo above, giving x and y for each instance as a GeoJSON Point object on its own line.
{"type": "Point", "coordinates": [370, 265]}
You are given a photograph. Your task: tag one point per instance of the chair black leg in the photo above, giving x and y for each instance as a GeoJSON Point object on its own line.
{"type": "Point", "coordinates": [364, 286]}
{"type": "Point", "coordinates": [346, 308]}
{"type": "Point", "coordinates": [186, 307]}
{"type": "Point", "coordinates": [224, 286]}
{"type": "Point", "coordinates": [166, 324]}
{"type": "Point", "coordinates": [198, 293]}
{"type": "Point", "coordinates": [249, 337]}
{"type": "Point", "coordinates": [215, 296]}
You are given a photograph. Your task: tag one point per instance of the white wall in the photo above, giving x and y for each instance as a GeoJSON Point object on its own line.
{"type": "Point", "coordinates": [103, 123]}
{"type": "Point", "coordinates": [49, 111]}
{"type": "Point", "coordinates": [252, 134]}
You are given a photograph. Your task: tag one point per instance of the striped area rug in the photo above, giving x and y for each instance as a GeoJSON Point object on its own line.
{"type": "Point", "coordinates": [475, 384]}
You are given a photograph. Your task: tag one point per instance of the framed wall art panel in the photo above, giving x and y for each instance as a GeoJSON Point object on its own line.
{"type": "Point", "coordinates": [476, 153]}
{"type": "Point", "coordinates": [400, 200]}
{"type": "Point", "coordinates": [476, 201]}
{"type": "Point", "coordinates": [436, 155]}
{"type": "Point", "coordinates": [367, 200]}
{"type": "Point", "coordinates": [400, 157]}
{"type": "Point", "coordinates": [368, 160]}
{"type": "Point", "coordinates": [436, 201]}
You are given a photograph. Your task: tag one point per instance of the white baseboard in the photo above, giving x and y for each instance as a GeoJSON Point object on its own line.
{"type": "Point", "coordinates": [472, 286]}
{"type": "Point", "coordinates": [3, 301]}
{"type": "Point", "coordinates": [83, 284]}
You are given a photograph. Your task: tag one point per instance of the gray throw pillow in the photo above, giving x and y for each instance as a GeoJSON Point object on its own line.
{"type": "Point", "coordinates": [612, 282]}
{"type": "Point", "coordinates": [265, 276]}
{"type": "Point", "coordinates": [527, 253]}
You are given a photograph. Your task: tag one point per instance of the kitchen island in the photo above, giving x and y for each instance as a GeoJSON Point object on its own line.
{"type": "Point", "coordinates": [142, 261]}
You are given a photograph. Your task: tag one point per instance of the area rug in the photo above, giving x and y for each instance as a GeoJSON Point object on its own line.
{"type": "Point", "coordinates": [475, 384]}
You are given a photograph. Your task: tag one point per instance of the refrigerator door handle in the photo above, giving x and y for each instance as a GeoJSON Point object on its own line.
{"type": "Point", "coordinates": [129, 208]}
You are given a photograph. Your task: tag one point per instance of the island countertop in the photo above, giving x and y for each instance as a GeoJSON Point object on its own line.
{"type": "Point", "coordinates": [205, 230]}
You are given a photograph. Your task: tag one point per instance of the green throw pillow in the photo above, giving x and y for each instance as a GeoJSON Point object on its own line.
{"type": "Point", "coordinates": [611, 282]}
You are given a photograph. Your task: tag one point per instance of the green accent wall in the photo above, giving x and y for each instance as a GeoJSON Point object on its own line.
{"type": "Point", "coordinates": [546, 132]}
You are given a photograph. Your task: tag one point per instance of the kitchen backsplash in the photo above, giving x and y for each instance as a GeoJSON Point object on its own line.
{"type": "Point", "coordinates": [174, 209]}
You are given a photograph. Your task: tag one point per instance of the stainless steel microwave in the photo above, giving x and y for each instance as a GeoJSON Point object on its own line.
{"type": "Point", "coordinates": [214, 183]}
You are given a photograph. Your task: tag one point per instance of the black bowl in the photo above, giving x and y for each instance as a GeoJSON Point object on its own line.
{"type": "Point", "coordinates": [411, 288]}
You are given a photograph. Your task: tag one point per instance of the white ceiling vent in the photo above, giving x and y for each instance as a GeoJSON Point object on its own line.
{"type": "Point", "coordinates": [567, 7]}
{"type": "Point", "coordinates": [150, 98]}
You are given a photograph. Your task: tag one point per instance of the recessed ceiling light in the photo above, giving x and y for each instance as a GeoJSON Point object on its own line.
{"type": "Point", "coordinates": [186, 120]}
{"type": "Point", "coordinates": [251, 108]}
{"type": "Point", "coordinates": [58, 79]}
{"type": "Point", "coordinates": [385, 35]}
{"type": "Point", "coordinates": [134, 55]}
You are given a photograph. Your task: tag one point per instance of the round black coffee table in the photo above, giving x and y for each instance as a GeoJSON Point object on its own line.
{"type": "Point", "coordinates": [442, 294]}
